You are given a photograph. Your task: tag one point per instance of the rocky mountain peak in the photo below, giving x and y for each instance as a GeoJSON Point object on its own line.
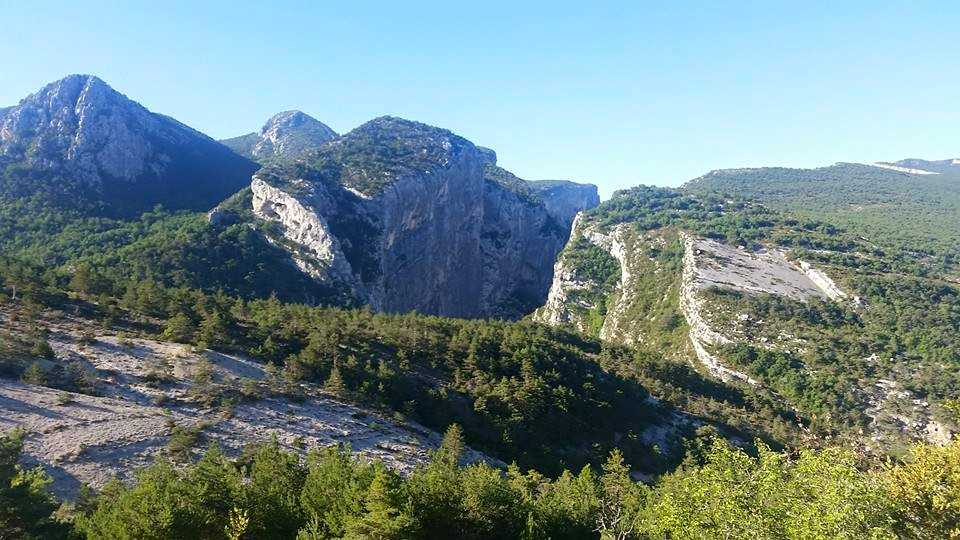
{"type": "Point", "coordinates": [409, 135]}
{"type": "Point", "coordinates": [72, 90]}
{"type": "Point", "coordinates": [96, 144]}
{"type": "Point", "coordinates": [294, 120]}
{"type": "Point", "coordinates": [290, 134]}
{"type": "Point", "coordinates": [285, 136]}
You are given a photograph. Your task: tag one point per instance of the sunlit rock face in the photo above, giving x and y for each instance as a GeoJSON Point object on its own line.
{"type": "Point", "coordinates": [410, 217]}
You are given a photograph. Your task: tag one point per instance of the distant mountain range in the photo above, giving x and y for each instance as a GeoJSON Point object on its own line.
{"type": "Point", "coordinates": [394, 214]}
{"type": "Point", "coordinates": [943, 166]}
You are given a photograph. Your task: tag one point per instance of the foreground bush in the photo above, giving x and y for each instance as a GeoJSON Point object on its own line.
{"type": "Point", "coordinates": [720, 492]}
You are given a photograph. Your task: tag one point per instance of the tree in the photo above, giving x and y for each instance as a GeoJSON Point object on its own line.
{"type": "Point", "coordinates": [26, 508]}
{"type": "Point", "coordinates": [335, 382]}
{"type": "Point", "coordinates": [492, 507]}
{"type": "Point", "coordinates": [333, 491]}
{"type": "Point", "coordinates": [817, 495]}
{"type": "Point", "coordinates": [41, 348]}
{"type": "Point", "coordinates": [88, 281]}
{"type": "Point", "coordinates": [383, 519]}
{"type": "Point", "coordinates": [620, 501]}
{"type": "Point", "coordinates": [926, 491]}
{"type": "Point", "coordinates": [214, 331]}
{"type": "Point", "coordinates": [565, 509]}
{"type": "Point", "coordinates": [435, 496]}
{"type": "Point", "coordinates": [213, 487]}
{"type": "Point", "coordinates": [451, 448]}
{"type": "Point", "coordinates": [272, 496]}
{"type": "Point", "coordinates": [146, 297]}
{"type": "Point", "coordinates": [179, 328]}
{"type": "Point", "coordinates": [35, 374]}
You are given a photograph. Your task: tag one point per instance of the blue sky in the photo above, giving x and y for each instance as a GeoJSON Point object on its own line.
{"type": "Point", "coordinates": [613, 93]}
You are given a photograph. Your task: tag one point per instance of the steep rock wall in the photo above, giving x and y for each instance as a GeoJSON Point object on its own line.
{"type": "Point", "coordinates": [422, 229]}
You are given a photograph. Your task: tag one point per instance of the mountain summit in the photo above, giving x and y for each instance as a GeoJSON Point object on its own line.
{"type": "Point", "coordinates": [286, 135]}
{"type": "Point", "coordinates": [78, 140]}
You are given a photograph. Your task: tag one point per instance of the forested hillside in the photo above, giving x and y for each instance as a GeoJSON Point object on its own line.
{"type": "Point", "coordinates": [920, 213]}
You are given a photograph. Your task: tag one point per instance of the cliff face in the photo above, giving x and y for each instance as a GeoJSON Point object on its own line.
{"type": "Point", "coordinates": [663, 275]}
{"type": "Point", "coordinates": [734, 290]}
{"type": "Point", "coordinates": [84, 140]}
{"type": "Point", "coordinates": [563, 199]}
{"type": "Point", "coordinates": [410, 217]}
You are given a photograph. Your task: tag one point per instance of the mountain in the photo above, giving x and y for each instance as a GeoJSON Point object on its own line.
{"type": "Point", "coordinates": [78, 142]}
{"type": "Point", "coordinates": [889, 207]}
{"type": "Point", "coordinates": [863, 342]}
{"type": "Point", "coordinates": [286, 135]}
{"type": "Point", "coordinates": [404, 216]}
{"type": "Point", "coordinates": [396, 215]}
{"type": "Point", "coordinates": [757, 331]}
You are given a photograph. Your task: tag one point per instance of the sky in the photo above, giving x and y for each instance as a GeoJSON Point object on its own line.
{"type": "Point", "coordinates": [613, 93]}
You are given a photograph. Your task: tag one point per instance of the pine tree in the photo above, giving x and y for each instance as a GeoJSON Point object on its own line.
{"type": "Point", "coordinates": [335, 382]}
{"type": "Point", "coordinates": [35, 374]}
{"type": "Point", "coordinates": [213, 331]}
{"type": "Point", "coordinates": [179, 328]}
{"type": "Point", "coordinates": [383, 520]}
{"type": "Point", "coordinates": [25, 506]}
{"type": "Point", "coordinates": [41, 348]}
{"type": "Point", "coordinates": [620, 501]}
{"type": "Point", "coordinates": [451, 449]}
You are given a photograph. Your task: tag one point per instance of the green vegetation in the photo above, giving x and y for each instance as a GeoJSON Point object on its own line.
{"type": "Point", "coordinates": [521, 391]}
{"type": "Point", "coordinates": [100, 256]}
{"type": "Point", "coordinates": [719, 492]}
{"type": "Point", "coordinates": [909, 332]}
{"type": "Point", "coordinates": [375, 155]}
{"type": "Point", "coordinates": [820, 357]}
{"type": "Point", "coordinates": [26, 508]}
{"type": "Point", "coordinates": [592, 265]}
{"type": "Point", "coordinates": [892, 209]}
{"type": "Point", "coordinates": [549, 400]}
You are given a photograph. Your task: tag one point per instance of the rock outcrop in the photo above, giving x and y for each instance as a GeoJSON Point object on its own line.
{"type": "Point", "coordinates": [412, 217]}
{"type": "Point", "coordinates": [578, 299]}
{"type": "Point", "coordinates": [286, 135]}
{"type": "Point", "coordinates": [86, 142]}
{"type": "Point", "coordinates": [923, 166]}
{"type": "Point", "coordinates": [564, 199]}
{"type": "Point", "coordinates": [701, 334]}
{"type": "Point", "coordinates": [84, 439]}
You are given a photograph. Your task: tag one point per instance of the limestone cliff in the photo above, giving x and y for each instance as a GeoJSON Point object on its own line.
{"type": "Point", "coordinates": [733, 289]}
{"type": "Point", "coordinates": [564, 199]}
{"type": "Point", "coordinates": [412, 217]}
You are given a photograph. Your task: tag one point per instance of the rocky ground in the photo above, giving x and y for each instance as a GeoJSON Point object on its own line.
{"type": "Point", "coordinates": [148, 390]}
